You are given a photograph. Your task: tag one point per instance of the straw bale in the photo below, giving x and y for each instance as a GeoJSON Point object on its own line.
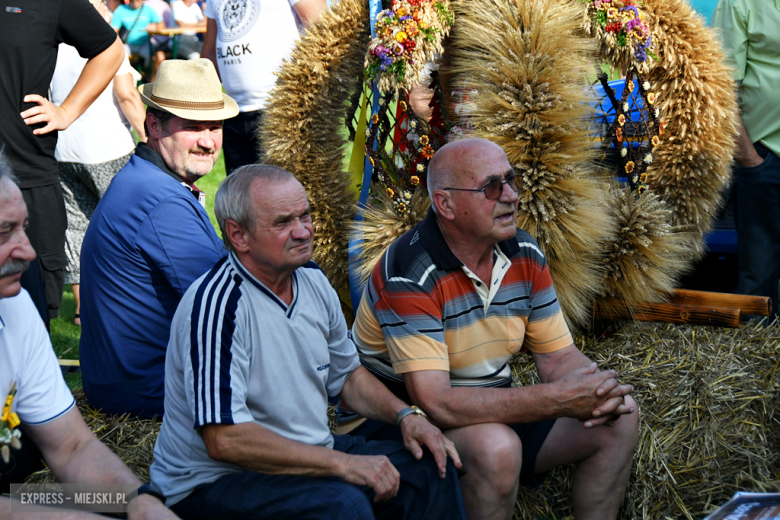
{"type": "Point", "coordinates": [709, 420]}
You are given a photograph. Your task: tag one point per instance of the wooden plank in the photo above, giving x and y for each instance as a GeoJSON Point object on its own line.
{"type": "Point", "coordinates": [713, 316]}
{"type": "Point", "coordinates": [755, 305]}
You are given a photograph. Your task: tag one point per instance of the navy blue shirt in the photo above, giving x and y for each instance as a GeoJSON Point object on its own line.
{"type": "Point", "coordinates": [148, 240]}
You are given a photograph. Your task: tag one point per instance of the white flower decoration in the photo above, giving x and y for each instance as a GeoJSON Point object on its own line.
{"type": "Point", "coordinates": [646, 85]}
{"type": "Point", "coordinates": [623, 152]}
{"type": "Point", "coordinates": [625, 106]}
{"type": "Point", "coordinates": [420, 168]}
{"type": "Point", "coordinates": [649, 158]}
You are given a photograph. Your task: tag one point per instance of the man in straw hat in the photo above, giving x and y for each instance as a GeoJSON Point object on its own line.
{"type": "Point", "coordinates": [257, 345]}
{"type": "Point", "coordinates": [447, 306]}
{"type": "Point", "coordinates": [149, 239]}
{"type": "Point", "coordinates": [41, 419]}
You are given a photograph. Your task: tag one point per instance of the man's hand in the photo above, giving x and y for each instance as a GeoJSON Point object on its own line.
{"type": "Point", "coordinates": [376, 472]}
{"type": "Point", "coordinates": [150, 508]}
{"type": "Point", "coordinates": [55, 117]}
{"type": "Point", "coordinates": [591, 395]}
{"type": "Point", "coordinates": [417, 431]}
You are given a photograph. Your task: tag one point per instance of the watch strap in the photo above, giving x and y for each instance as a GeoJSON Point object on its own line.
{"type": "Point", "coordinates": [408, 411]}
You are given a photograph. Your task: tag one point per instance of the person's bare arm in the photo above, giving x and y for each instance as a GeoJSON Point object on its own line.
{"type": "Point", "coordinates": [198, 25]}
{"type": "Point", "coordinates": [75, 455]}
{"type": "Point", "coordinates": [93, 80]}
{"type": "Point", "coordinates": [256, 448]}
{"type": "Point", "coordinates": [309, 10]}
{"type": "Point", "coordinates": [209, 50]}
{"type": "Point", "coordinates": [575, 389]}
{"type": "Point", "coordinates": [367, 396]}
{"type": "Point", "coordinates": [747, 155]}
{"type": "Point", "coordinates": [130, 103]}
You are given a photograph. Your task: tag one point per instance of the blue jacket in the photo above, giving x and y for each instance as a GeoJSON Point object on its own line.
{"type": "Point", "coordinates": [147, 241]}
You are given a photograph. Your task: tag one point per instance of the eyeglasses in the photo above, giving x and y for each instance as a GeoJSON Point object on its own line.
{"type": "Point", "coordinates": [494, 189]}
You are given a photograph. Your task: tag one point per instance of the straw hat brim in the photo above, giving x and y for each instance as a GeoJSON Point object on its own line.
{"type": "Point", "coordinates": [229, 109]}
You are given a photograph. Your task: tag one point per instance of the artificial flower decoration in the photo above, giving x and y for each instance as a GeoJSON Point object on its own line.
{"type": "Point", "coordinates": [643, 178]}
{"type": "Point", "coordinates": [623, 151]}
{"type": "Point", "coordinates": [415, 180]}
{"type": "Point", "coordinates": [661, 127]}
{"type": "Point", "coordinates": [375, 118]}
{"type": "Point", "coordinates": [629, 167]}
{"type": "Point", "coordinates": [651, 97]}
{"type": "Point", "coordinates": [390, 193]}
{"type": "Point", "coordinates": [641, 189]}
{"type": "Point", "coordinates": [427, 152]}
{"type": "Point", "coordinates": [424, 140]}
{"type": "Point", "coordinates": [420, 168]}
{"type": "Point", "coordinates": [655, 140]}
{"type": "Point", "coordinates": [630, 86]}
{"type": "Point", "coordinates": [619, 135]}
{"type": "Point", "coordinates": [622, 119]}
{"type": "Point", "coordinates": [402, 105]}
{"type": "Point", "coordinates": [9, 435]}
{"type": "Point", "coordinates": [408, 35]}
{"type": "Point", "coordinates": [625, 106]}
{"type": "Point", "coordinates": [648, 158]}
{"type": "Point", "coordinates": [401, 207]}
{"type": "Point", "coordinates": [622, 25]}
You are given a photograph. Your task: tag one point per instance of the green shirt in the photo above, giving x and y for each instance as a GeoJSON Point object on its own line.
{"type": "Point", "coordinates": [751, 38]}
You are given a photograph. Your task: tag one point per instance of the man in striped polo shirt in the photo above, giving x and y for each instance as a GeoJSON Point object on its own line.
{"type": "Point", "coordinates": [447, 306]}
{"type": "Point", "coordinates": [257, 345]}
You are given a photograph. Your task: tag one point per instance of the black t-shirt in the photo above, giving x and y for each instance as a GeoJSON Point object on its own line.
{"type": "Point", "coordinates": [30, 31]}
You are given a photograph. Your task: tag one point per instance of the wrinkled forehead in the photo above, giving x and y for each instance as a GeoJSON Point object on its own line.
{"type": "Point", "coordinates": [483, 164]}
{"type": "Point", "coordinates": [272, 198]}
{"type": "Point", "coordinates": [12, 207]}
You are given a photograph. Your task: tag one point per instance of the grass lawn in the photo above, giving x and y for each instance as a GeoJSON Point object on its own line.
{"type": "Point", "coordinates": [65, 334]}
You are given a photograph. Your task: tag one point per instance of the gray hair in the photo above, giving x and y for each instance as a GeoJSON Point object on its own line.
{"type": "Point", "coordinates": [233, 200]}
{"type": "Point", "coordinates": [6, 173]}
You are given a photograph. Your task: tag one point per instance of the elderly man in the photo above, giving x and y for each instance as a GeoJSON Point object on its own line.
{"type": "Point", "coordinates": [257, 346]}
{"type": "Point", "coordinates": [445, 309]}
{"type": "Point", "coordinates": [51, 425]}
{"type": "Point", "coordinates": [149, 239]}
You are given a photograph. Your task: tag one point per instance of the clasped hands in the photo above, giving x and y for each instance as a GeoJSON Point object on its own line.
{"type": "Point", "coordinates": [593, 396]}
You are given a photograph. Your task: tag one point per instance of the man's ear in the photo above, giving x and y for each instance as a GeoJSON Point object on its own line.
{"type": "Point", "coordinates": [237, 236]}
{"type": "Point", "coordinates": [443, 203]}
{"type": "Point", "coordinates": [153, 127]}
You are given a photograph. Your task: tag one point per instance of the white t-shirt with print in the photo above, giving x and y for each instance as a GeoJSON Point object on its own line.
{"type": "Point", "coordinates": [253, 38]}
{"type": "Point", "coordinates": [27, 357]}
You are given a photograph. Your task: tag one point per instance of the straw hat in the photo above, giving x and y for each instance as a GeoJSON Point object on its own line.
{"type": "Point", "coordinates": [189, 89]}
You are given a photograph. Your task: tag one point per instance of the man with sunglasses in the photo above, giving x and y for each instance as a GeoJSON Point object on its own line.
{"type": "Point", "coordinates": [447, 306]}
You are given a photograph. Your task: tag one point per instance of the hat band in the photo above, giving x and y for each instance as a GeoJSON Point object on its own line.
{"type": "Point", "coordinates": [188, 105]}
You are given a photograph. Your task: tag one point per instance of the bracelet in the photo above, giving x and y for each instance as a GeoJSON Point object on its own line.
{"type": "Point", "coordinates": [408, 411]}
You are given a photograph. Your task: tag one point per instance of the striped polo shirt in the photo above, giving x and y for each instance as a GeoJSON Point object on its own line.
{"type": "Point", "coordinates": [422, 309]}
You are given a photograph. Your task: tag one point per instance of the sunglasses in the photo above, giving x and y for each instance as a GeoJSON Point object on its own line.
{"type": "Point", "coordinates": [494, 189]}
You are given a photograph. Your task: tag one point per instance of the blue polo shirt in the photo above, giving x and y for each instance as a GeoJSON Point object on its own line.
{"type": "Point", "coordinates": [148, 240]}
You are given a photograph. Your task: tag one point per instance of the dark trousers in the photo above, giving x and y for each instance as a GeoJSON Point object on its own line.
{"type": "Point", "coordinates": [48, 222]}
{"type": "Point", "coordinates": [239, 140]}
{"type": "Point", "coordinates": [757, 215]}
{"type": "Point", "coordinates": [255, 496]}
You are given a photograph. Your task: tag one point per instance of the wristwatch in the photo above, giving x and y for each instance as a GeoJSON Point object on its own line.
{"type": "Point", "coordinates": [408, 411]}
